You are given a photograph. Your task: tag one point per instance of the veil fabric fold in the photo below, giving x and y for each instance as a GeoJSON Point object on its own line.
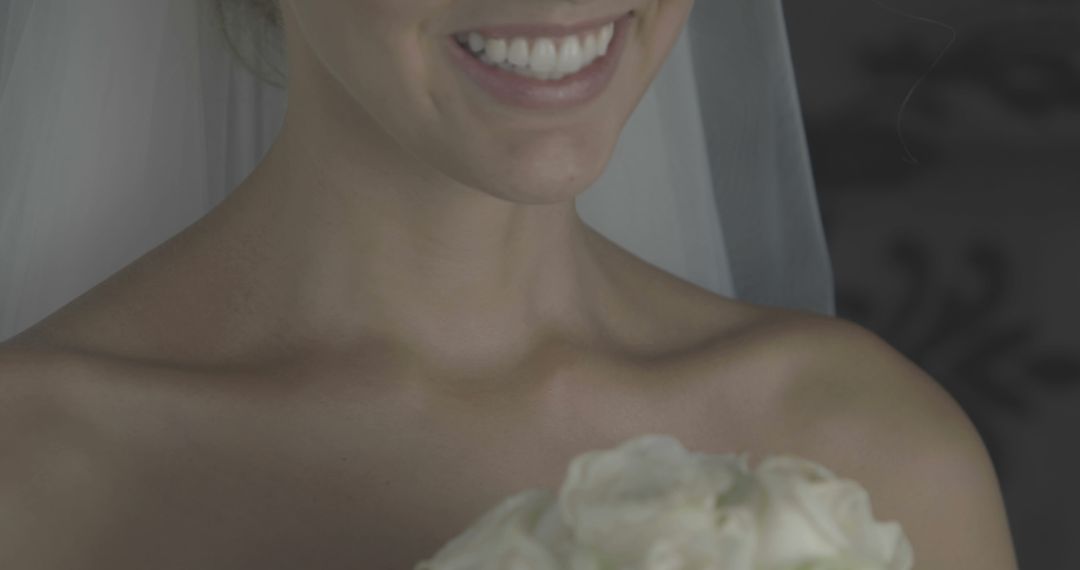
{"type": "Point", "coordinates": [124, 121]}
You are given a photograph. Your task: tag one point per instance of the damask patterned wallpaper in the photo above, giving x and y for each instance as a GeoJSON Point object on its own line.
{"type": "Point", "coordinates": [950, 190]}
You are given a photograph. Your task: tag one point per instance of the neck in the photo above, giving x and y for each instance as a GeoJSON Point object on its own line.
{"type": "Point", "coordinates": [343, 242]}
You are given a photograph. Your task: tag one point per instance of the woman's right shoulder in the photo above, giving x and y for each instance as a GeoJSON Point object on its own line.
{"type": "Point", "coordinates": [39, 389]}
{"type": "Point", "coordinates": [37, 378]}
{"type": "Point", "coordinates": [54, 482]}
{"type": "Point", "coordinates": [54, 391]}
{"type": "Point", "coordinates": [31, 387]}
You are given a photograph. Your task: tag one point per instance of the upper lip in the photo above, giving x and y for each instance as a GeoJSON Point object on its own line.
{"type": "Point", "coordinates": [543, 30]}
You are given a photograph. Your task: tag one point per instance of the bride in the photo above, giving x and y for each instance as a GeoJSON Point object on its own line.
{"type": "Point", "coordinates": [399, 318]}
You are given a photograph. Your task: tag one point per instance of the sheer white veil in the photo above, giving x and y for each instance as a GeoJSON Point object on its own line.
{"type": "Point", "coordinates": [124, 121]}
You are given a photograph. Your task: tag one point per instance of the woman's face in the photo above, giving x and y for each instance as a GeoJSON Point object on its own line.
{"type": "Point", "coordinates": [395, 60]}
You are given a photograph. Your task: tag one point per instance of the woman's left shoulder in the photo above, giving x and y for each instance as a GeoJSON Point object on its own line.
{"type": "Point", "coordinates": [847, 386]}
{"type": "Point", "coordinates": [848, 374]}
{"type": "Point", "coordinates": [867, 412]}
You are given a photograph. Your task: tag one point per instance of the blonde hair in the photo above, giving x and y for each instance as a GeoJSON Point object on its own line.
{"type": "Point", "coordinates": [255, 32]}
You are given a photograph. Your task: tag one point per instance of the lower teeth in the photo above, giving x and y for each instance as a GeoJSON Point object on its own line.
{"type": "Point", "coordinates": [549, 76]}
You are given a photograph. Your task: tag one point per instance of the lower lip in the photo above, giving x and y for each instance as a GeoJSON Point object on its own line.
{"type": "Point", "coordinates": [529, 93]}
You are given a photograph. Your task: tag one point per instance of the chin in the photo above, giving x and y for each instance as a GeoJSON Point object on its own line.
{"type": "Point", "coordinates": [537, 170]}
{"type": "Point", "coordinates": [555, 178]}
{"type": "Point", "coordinates": [540, 190]}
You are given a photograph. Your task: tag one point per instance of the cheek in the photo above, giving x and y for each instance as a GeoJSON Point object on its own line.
{"type": "Point", "coordinates": [662, 23]}
{"type": "Point", "coordinates": [384, 45]}
{"type": "Point", "coordinates": [384, 59]}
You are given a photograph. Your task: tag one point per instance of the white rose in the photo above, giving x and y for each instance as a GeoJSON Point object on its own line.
{"type": "Point", "coordinates": [650, 501]}
{"type": "Point", "coordinates": [502, 539]}
{"type": "Point", "coordinates": [649, 504]}
{"type": "Point", "coordinates": [811, 520]}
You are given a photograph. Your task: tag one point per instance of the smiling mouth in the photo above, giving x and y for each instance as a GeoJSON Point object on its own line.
{"type": "Point", "coordinates": [513, 49]}
{"type": "Point", "coordinates": [544, 74]}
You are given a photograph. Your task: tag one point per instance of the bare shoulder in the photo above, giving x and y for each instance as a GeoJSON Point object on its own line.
{"type": "Point", "coordinates": [53, 478]}
{"type": "Point", "coordinates": [853, 388]}
{"type": "Point", "coordinates": [868, 413]}
{"type": "Point", "coordinates": [28, 395]}
{"type": "Point", "coordinates": [37, 380]}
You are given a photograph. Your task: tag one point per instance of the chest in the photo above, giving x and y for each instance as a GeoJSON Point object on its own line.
{"type": "Point", "coordinates": [384, 480]}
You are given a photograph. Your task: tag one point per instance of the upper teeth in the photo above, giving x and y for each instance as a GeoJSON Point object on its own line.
{"type": "Point", "coordinates": [558, 56]}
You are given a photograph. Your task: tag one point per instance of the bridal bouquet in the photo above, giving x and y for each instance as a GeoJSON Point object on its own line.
{"type": "Point", "coordinates": [650, 504]}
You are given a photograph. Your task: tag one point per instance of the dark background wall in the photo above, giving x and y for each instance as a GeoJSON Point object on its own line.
{"type": "Point", "coordinates": [955, 234]}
